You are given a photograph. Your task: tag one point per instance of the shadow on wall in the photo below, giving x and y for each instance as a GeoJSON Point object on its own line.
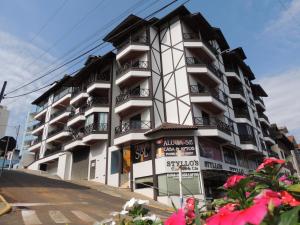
{"type": "Point", "coordinates": [19, 179]}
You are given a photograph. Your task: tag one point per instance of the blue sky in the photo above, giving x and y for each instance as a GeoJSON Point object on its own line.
{"type": "Point", "coordinates": [268, 30]}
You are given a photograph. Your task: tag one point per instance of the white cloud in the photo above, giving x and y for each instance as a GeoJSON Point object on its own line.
{"type": "Point", "coordinates": [283, 103]}
{"type": "Point", "coordinates": [15, 56]}
{"type": "Point", "coordinates": [287, 23]}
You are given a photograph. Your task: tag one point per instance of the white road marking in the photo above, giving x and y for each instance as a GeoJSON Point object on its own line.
{"type": "Point", "coordinates": [46, 204]}
{"type": "Point", "coordinates": [84, 217]}
{"type": "Point", "coordinates": [30, 217]}
{"type": "Point", "coordinates": [58, 217]}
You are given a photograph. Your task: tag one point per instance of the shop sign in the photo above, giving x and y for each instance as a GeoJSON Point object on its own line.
{"type": "Point", "coordinates": [142, 152]}
{"type": "Point", "coordinates": [213, 165]}
{"type": "Point", "coordinates": [187, 164]}
{"type": "Point", "coordinates": [216, 165]}
{"type": "Point", "coordinates": [184, 175]}
{"type": "Point", "coordinates": [236, 170]}
{"type": "Point", "coordinates": [183, 146]}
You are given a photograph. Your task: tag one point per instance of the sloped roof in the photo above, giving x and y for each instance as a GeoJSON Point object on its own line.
{"type": "Point", "coordinates": [170, 127]}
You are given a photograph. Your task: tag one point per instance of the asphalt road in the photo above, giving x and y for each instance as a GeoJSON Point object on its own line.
{"type": "Point", "coordinates": [41, 200]}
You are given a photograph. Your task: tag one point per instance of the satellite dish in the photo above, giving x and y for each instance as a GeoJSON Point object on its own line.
{"type": "Point", "coordinates": [8, 142]}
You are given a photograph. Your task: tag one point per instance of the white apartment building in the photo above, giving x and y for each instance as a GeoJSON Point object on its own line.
{"type": "Point", "coordinates": [172, 94]}
{"type": "Point", "coordinates": [4, 114]}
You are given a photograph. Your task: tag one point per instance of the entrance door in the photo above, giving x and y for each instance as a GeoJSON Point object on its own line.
{"type": "Point", "coordinates": [135, 122]}
{"type": "Point", "coordinates": [80, 165]}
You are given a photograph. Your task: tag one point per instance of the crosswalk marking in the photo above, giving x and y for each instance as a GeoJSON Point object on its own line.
{"type": "Point", "coordinates": [30, 217]}
{"type": "Point", "coordinates": [84, 217]}
{"type": "Point", "coordinates": [58, 217]}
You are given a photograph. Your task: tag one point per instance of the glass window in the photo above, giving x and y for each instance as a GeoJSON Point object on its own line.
{"type": "Point", "coordinates": [241, 159]}
{"type": "Point", "coordinates": [168, 184]}
{"type": "Point", "coordinates": [229, 156]}
{"type": "Point", "coordinates": [89, 119]}
{"type": "Point", "coordinates": [102, 118]}
{"type": "Point", "coordinates": [115, 162]}
{"type": "Point", "coordinates": [209, 149]}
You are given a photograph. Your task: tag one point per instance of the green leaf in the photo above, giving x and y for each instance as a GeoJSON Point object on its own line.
{"type": "Point", "coordinates": [294, 188]}
{"type": "Point", "coordinates": [173, 205]}
{"type": "Point", "coordinates": [290, 217]}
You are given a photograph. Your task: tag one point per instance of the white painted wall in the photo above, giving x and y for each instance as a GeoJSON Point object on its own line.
{"type": "Point", "coordinates": [98, 153]}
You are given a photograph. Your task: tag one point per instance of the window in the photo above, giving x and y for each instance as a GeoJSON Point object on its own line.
{"type": "Point", "coordinates": [209, 149]}
{"type": "Point", "coordinates": [169, 184]}
{"type": "Point", "coordinates": [229, 156]}
{"type": "Point", "coordinates": [242, 161]}
{"type": "Point", "coordinates": [89, 120]}
{"type": "Point", "coordinates": [115, 162]}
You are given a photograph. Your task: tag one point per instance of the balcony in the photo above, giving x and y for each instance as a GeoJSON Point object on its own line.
{"type": "Point", "coordinates": [133, 100]}
{"type": "Point", "coordinates": [263, 119]}
{"type": "Point", "coordinates": [74, 143]}
{"type": "Point", "coordinates": [76, 117]}
{"type": "Point", "coordinates": [132, 72]}
{"type": "Point", "coordinates": [237, 93]}
{"type": "Point", "coordinates": [35, 144]}
{"type": "Point", "coordinates": [131, 131]}
{"type": "Point", "coordinates": [133, 47]}
{"type": "Point", "coordinates": [207, 73]}
{"type": "Point", "coordinates": [98, 82]}
{"type": "Point", "coordinates": [248, 143]}
{"type": "Point", "coordinates": [214, 101]}
{"type": "Point", "coordinates": [213, 127]}
{"type": "Point", "coordinates": [37, 129]}
{"type": "Point", "coordinates": [97, 104]}
{"type": "Point", "coordinates": [40, 112]}
{"type": "Point", "coordinates": [60, 116]}
{"type": "Point", "coordinates": [78, 95]}
{"type": "Point", "coordinates": [194, 43]}
{"type": "Point", "coordinates": [242, 115]}
{"type": "Point", "coordinates": [259, 104]}
{"type": "Point", "coordinates": [58, 135]}
{"type": "Point", "coordinates": [233, 74]}
{"type": "Point", "coordinates": [95, 132]}
{"type": "Point", "coordinates": [268, 139]}
{"type": "Point", "coordinates": [63, 98]}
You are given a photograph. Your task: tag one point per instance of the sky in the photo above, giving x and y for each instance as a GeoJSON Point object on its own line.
{"type": "Point", "coordinates": [37, 36]}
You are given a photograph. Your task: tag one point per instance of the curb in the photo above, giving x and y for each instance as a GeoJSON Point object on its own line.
{"type": "Point", "coordinates": [6, 207]}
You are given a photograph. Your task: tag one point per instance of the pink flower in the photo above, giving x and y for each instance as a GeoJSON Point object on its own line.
{"type": "Point", "coordinates": [253, 215]}
{"type": "Point", "coordinates": [247, 194]}
{"type": "Point", "coordinates": [176, 218]}
{"type": "Point", "coordinates": [190, 204]}
{"type": "Point", "coordinates": [267, 196]}
{"type": "Point", "coordinates": [284, 179]}
{"type": "Point", "coordinates": [269, 162]}
{"type": "Point", "coordinates": [233, 180]}
{"type": "Point", "coordinates": [288, 199]}
{"type": "Point", "coordinates": [225, 216]}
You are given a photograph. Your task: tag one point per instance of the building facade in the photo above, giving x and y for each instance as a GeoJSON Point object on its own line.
{"type": "Point", "coordinates": [173, 94]}
{"type": "Point", "coordinates": [4, 114]}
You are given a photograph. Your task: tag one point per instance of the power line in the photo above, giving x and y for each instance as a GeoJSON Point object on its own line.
{"type": "Point", "coordinates": [95, 47]}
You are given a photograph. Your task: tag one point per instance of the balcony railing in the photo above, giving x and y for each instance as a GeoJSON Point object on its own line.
{"type": "Point", "coordinates": [235, 90]}
{"type": "Point", "coordinates": [133, 65]}
{"type": "Point", "coordinates": [218, 95]}
{"type": "Point", "coordinates": [41, 108]}
{"type": "Point", "coordinates": [247, 139]}
{"type": "Point", "coordinates": [241, 114]}
{"type": "Point", "coordinates": [196, 37]}
{"type": "Point", "coordinates": [97, 101]}
{"type": "Point", "coordinates": [76, 112]}
{"type": "Point", "coordinates": [95, 128]}
{"type": "Point", "coordinates": [64, 92]}
{"type": "Point", "coordinates": [58, 130]}
{"type": "Point", "coordinates": [134, 93]}
{"type": "Point", "coordinates": [134, 39]}
{"type": "Point", "coordinates": [261, 115]}
{"type": "Point", "coordinates": [78, 90]}
{"type": "Point", "coordinates": [60, 112]}
{"type": "Point", "coordinates": [132, 126]}
{"type": "Point", "coordinates": [193, 61]}
{"type": "Point", "coordinates": [99, 78]}
{"type": "Point", "coordinates": [36, 141]}
{"type": "Point", "coordinates": [213, 122]}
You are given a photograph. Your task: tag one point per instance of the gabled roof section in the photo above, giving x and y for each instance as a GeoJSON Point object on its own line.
{"type": "Point", "coordinates": [59, 84]}
{"type": "Point", "coordinates": [129, 24]}
{"type": "Point", "coordinates": [170, 127]}
{"type": "Point", "coordinates": [258, 90]}
{"type": "Point", "coordinates": [220, 39]}
{"type": "Point", "coordinates": [179, 11]}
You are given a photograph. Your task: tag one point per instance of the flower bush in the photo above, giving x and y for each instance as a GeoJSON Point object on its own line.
{"type": "Point", "coordinates": [264, 197]}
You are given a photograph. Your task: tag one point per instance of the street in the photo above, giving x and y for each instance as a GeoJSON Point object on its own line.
{"type": "Point", "coordinates": [41, 200]}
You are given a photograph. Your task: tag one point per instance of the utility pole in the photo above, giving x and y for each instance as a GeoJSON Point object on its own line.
{"type": "Point", "coordinates": [180, 186]}
{"type": "Point", "coordinates": [2, 91]}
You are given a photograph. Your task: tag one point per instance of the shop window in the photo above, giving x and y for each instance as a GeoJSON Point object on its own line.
{"type": "Point", "coordinates": [144, 182]}
{"type": "Point", "coordinates": [242, 161]}
{"type": "Point", "coordinates": [209, 149]}
{"type": "Point", "coordinates": [126, 160]}
{"type": "Point", "coordinates": [115, 162]}
{"type": "Point", "coordinates": [229, 156]}
{"type": "Point", "coordinates": [168, 184]}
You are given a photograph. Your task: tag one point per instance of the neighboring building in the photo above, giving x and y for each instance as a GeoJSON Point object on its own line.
{"type": "Point", "coordinates": [27, 157]}
{"type": "Point", "coordinates": [173, 94]}
{"type": "Point", "coordinates": [4, 114]}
